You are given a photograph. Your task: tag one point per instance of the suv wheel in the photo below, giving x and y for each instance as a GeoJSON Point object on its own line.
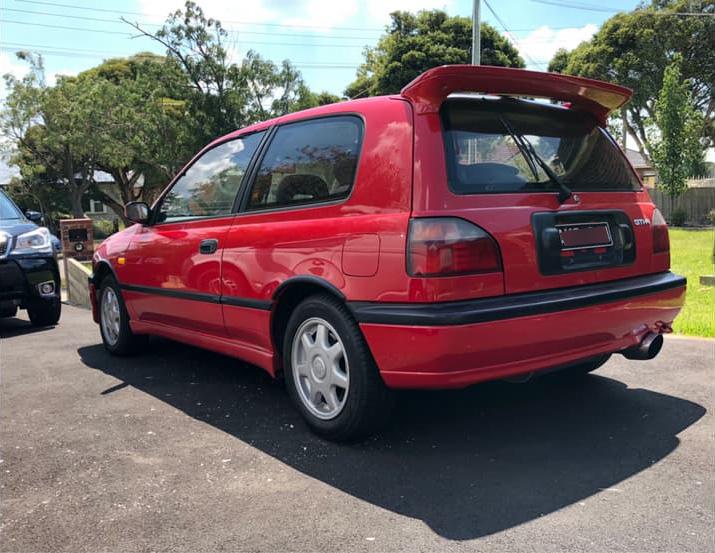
{"type": "Point", "coordinates": [44, 312]}
{"type": "Point", "coordinates": [117, 337]}
{"type": "Point", "coordinates": [330, 374]}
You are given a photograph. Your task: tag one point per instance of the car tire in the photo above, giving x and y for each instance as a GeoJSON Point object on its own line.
{"type": "Point", "coordinates": [315, 374]}
{"type": "Point", "coordinates": [588, 366]}
{"type": "Point", "coordinates": [117, 336]}
{"type": "Point", "coordinates": [44, 312]}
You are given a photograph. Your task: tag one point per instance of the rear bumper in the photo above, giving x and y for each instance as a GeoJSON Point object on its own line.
{"type": "Point", "coordinates": [455, 344]}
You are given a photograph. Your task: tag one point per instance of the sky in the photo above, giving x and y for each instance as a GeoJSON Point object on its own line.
{"type": "Point", "coordinates": [323, 38]}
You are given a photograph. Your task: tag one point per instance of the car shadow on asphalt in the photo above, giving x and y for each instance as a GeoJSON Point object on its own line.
{"type": "Point", "coordinates": [12, 326]}
{"type": "Point", "coordinates": [468, 463]}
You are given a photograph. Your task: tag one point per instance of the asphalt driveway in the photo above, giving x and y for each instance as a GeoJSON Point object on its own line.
{"type": "Point", "coordinates": [184, 450]}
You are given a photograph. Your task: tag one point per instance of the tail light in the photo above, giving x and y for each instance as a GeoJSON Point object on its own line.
{"type": "Point", "coordinates": [446, 246]}
{"type": "Point", "coordinates": [661, 241]}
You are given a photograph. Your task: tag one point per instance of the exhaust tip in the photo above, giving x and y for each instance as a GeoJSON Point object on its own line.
{"type": "Point", "coordinates": [649, 347]}
{"type": "Point", "coordinates": [656, 344]}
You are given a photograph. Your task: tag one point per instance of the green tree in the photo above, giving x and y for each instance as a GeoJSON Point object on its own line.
{"type": "Point", "coordinates": [141, 118]}
{"type": "Point", "coordinates": [225, 95]}
{"type": "Point", "coordinates": [38, 187]}
{"type": "Point", "coordinates": [58, 144]}
{"type": "Point", "coordinates": [146, 132]}
{"type": "Point", "coordinates": [560, 61]}
{"type": "Point", "coordinates": [308, 99]}
{"type": "Point", "coordinates": [633, 49]}
{"type": "Point", "coordinates": [415, 43]}
{"type": "Point", "coordinates": [676, 142]}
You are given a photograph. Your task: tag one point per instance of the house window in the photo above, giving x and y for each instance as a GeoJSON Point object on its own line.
{"type": "Point", "coordinates": [95, 206]}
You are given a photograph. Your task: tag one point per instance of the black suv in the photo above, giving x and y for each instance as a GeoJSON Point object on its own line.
{"type": "Point", "coordinates": [29, 276]}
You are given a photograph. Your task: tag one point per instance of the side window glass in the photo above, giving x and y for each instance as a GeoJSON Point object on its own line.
{"type": "Point", "coordinates": [308, 162]}
{"type": "Point", "coordinates": [209, 186]}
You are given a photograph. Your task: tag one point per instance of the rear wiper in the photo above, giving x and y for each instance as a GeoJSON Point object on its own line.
{"type": "Point", "coordinates": [564, 191]}
{"type": "Point", "coordinates": [522, 147]}
{"type": "Point", "coordinates": [530, 154]}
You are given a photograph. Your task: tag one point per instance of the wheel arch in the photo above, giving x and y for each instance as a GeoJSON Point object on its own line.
{"type": "Point", "coordinates": [285, 299]}
{"type": "Point", "coordinates": [101, 270]}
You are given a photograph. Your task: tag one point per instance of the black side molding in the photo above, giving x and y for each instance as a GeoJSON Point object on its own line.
{"type": "Point", "coordinates": [516, 305]}
{"type": "Point", "coordinates": [198, 296]}
{"type": "Point", "coordinates": [247, 302]}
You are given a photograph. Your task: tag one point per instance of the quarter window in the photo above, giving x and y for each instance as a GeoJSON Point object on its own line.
{"type": "Point", "coordinates": [308, 162]}
{"type": "Point", "coordinates": [208, 188]}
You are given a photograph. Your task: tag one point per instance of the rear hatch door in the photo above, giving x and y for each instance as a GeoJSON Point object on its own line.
{"type": "Point", "coordinates": [496, 150]}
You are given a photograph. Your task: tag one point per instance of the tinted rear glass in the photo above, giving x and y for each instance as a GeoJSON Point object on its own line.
{"type": "Point", "coordinates": [308, 162]}
{"type": "Point", "coordinates": [483, 156]}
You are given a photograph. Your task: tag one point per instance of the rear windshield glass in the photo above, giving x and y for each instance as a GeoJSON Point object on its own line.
{"type": "Point", "coordinates": [487, 143]}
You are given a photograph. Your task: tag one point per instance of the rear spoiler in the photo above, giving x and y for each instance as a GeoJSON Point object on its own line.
{"type": "Point", "coordinates": [429, 90]}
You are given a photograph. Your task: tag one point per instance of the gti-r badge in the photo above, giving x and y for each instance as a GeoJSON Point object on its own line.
{"type": "Point", "coordinates": [641, 222]}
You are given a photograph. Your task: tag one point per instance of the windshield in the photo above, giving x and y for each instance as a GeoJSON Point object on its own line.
{"type": "Point", "coordinates": [483, 156]}
{"type": "Point", "coordinates": [8, 210]}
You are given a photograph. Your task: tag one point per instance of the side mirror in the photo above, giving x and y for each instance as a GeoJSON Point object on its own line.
{"type": "Point", "coordinates": [137, 212]}
{"type": "Point", "coordinates": [34, 216]}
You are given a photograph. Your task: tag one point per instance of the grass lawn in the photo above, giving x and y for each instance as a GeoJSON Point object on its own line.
{"type": "Point", "coordinates": [691, 254]}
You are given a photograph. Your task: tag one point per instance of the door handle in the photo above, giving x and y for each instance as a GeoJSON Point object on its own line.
{"type": "Point", "coordinates": [208, 246]}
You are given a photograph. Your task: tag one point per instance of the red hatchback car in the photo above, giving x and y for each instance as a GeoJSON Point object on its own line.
{"type": "Point", "coordinates": [464, 230]}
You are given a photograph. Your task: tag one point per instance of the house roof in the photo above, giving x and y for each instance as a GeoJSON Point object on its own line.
{"type": "Point", "coordinates": [637, 160]}
{"type": "Point", "coordinates": [100, 177]}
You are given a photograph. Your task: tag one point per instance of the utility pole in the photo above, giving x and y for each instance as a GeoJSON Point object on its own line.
{"type": "Point", "coordinates": [624, 128]}
{"type": "Point", "coordinates": [476, 33]}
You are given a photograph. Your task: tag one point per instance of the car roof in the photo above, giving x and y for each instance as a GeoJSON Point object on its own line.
{"type": "Point", "coordinates": [344, 107]}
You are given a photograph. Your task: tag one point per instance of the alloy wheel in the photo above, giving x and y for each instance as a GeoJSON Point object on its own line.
{"type": "Point", "coordinates": [320, 368]}
{"type": "Point", "coordinates": [110, 315]}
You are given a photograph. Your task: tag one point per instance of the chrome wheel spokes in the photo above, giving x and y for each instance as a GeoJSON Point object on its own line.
{"type": "Point", "coordinates": [320, 368]}
{"type": "Point", "coordinates": [110, 315]}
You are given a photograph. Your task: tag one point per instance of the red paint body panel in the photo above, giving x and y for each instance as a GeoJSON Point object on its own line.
{"type": "Point", "coordinates": [507, 217]}
{"type": "Point", "coordinates": [361, 255]}
{"type": "Point", "coordinates": [264, 249]}
{"type": "Point", "coordinates": [166, 256]}
{"type": "Point", "coordinates": [457, 356]}
{"type": "Point", "coordinates": [357, 246]}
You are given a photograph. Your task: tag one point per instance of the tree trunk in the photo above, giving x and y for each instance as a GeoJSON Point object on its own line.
{"type": "Point", "coordinates": [113, 204]}
{"type": "Point", "coordinates": [76, 199]}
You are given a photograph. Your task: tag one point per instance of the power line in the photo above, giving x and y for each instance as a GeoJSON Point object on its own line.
{"type": "Point", "coordinates": [129, 35]}
{"type": "Point", "coordinates": [66, 28]}
{"type": "Point", "coordinates": [322, 30]}
{"type": "Point", "coordinates": [124, 12]}
{"type": "Point", "coordinates": [230, 29]}
{"type": "Point", "coordinates": [79, 52]}
{"type": "Point", "coordinates": [506, 30]}
{"type": "Point", "coordinates": [594, 8]}
{"type": "Point", "coordinates": [240, 31]}
{"type": "Point", "coordinates": [578, 6]}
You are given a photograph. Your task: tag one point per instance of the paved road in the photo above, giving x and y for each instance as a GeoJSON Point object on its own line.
{"type": "Point", "coordinates": [183, 450]}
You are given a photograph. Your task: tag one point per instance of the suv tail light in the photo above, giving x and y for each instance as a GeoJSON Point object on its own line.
{"type": "Point", "coordinates": [446, 246]}
{"type": "Point", "coordinates": [661, 241]}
